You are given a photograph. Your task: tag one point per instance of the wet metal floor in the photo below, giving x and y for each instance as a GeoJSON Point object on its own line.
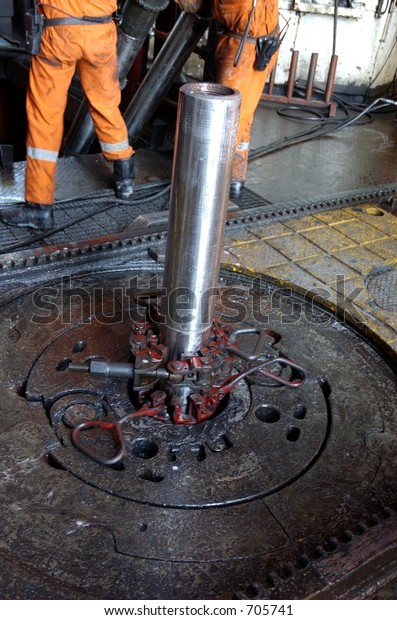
{"type": "Point", "coordinates": [352, 158]}
{"type": "Point", "coordinates": [339, 253]}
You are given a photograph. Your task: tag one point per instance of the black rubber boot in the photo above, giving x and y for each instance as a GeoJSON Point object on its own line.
{"type": "Point", "coordinates": [30, 215]}
{"type": "Point", "coordinates": [236, 188]}
{"type": "Point", "coordinates": [123, 177]}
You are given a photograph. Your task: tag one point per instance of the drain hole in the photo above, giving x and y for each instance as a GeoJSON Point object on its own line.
{"type": "Point", "coordinates": [52, 462]}
{"type": "Point", "coordinates": [361, 529]}
{"type": "Point", "coordinates": [303, 562]}
{"type": "Point", "coordinates": [151, 476]}
{"type": "Point", "coordinates": [21, 390]}
{"type": "Point", "coordinates": [267, 413]}
{"type": "Point", "coordinates": [287, 571]}
{"type": "Point", "coordinates": [63, 364]}
{"type": "Point", "coordinates": [300, 411]}
{"type": "Point", "coordinates": [228, 444]}
{"type": "Point", "coordinates": [79, 346]}
{"type": "Point", "coordinates": [374, 211]}
{"type": "Point", "coordinates": [273, 579]}
{"type": "Point", "coordinates": [373, 521]}
{"type": "Point", "coordinates": [199, 451]}
{"type": "Point", "coordinates": [118, 466]}
{"type": "Point", "coordinates": [144, 448]}
{"type": "Point", "coordinates": [171, 455]}
{"type": "Point", "coordinates": [254, 589]}
{"type": "Point", "coordinates": [331, 545]}
{"type": "Point", "coordinates": [293, 433]}
{"type": "Point", "coordinates": [319, 551]}
{"type": "Point", "coordinates": [347, 536]}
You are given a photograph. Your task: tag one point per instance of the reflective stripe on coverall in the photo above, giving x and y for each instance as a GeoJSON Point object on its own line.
{"type": "Point", "coordinates": [92, 49]}
{"type": "Point", "coordinates": [234, 16]}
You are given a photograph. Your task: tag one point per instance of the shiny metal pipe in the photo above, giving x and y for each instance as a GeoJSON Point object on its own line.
{"type": "Point", "coordinates": [131, 35]}
{"type": "Point", "coordinates": [175, 51]}
{"type": "Point", "coordinates": [207, 122]}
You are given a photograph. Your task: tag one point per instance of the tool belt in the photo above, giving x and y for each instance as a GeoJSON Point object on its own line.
{"type": "Point", "coordinates": [72, 21]}
{"type": "Point", "coordinates": [266, 46]}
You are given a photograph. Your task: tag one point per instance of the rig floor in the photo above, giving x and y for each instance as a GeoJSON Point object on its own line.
{"type": "Point", "coordinates": [286, 494]}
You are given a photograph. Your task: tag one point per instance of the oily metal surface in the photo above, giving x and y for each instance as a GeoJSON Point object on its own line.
{"type": "Point", "coordinates": [68, 533]}
{"type": "Point", "coordinates": [265, 438]}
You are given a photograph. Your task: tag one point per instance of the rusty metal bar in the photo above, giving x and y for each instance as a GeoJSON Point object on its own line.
{"type": "Point", "coordinates": [310, 76]}
{"type": "Point", "coordinates": [307, 99]}
{"type": "Point", "coordinates": [292, 73]}
{"type": "Point", "coordinates": [331, 79]}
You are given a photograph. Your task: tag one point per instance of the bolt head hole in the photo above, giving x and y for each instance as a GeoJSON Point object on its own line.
{"type": "Point", "coordinates": [300, 411]}
{"type": "Point", "coordinates": [151, 476]}
{"type": "Point", "coordinates": [79, 346]}
{"type": "Point", "coordinates": [63, 364]}
{"type": "Point", "coordinates": [268, 414]}
{"type": "Point", "coordinates": [293, 433]}
{"type": "Point", "coordinates": [144, 448]}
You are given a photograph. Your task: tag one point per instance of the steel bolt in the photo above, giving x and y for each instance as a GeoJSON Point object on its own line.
{"type": "Point", "coordinates": [177, 365]}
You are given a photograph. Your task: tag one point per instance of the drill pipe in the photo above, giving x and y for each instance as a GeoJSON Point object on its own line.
{"type": "Point", "coordinates": [175, 51]}
{"type": "Point", "coordinates": [207, 122]}
{"type": "Point", "coordinates": [138, 18]}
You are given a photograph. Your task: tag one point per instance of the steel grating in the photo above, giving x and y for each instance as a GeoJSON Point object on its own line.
{"type": "Point", "coordinates": [382, 286]}
{"type": "Point", "coordinates": [88, 218]}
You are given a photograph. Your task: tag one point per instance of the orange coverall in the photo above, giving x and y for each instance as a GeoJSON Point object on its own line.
{"type": "Point", "coordinates": [234, 15]}
{"type": "Point", "coordinates": [91, 48]}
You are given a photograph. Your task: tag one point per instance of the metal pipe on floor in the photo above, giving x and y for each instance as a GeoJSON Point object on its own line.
{"type": "Point", "coordinates": [207, 122]}
{"type": "Point", "coordinates": [177, 48]}
{"type": "Point", "coordinates": [135, 26]}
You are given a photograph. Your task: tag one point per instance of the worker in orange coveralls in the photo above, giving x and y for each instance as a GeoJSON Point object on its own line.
{"type": "Point", "coordinates": [241, 23]}
{"type": "Point", "coordinates": [82, 34]}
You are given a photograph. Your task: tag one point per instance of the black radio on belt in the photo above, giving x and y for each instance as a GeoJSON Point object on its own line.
{"type": "Point", "coordinates": [34, 25]}
{"type": "Point", "coordinates": [266, 47]}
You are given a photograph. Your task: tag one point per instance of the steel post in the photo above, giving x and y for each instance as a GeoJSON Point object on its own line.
{"type": "Point", "coordinates": [329, 89]}
{"type": "Point", "coordinates": [207, 122]}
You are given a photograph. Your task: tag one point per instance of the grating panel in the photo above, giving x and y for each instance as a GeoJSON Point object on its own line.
{"type": "Point", "coordinates": [87, 218]}
{"type": "Point", "coordinates": [382, 286]}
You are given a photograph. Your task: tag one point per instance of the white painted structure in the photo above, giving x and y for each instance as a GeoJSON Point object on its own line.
{"type": "Point", "coordinates": [366, 42]}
